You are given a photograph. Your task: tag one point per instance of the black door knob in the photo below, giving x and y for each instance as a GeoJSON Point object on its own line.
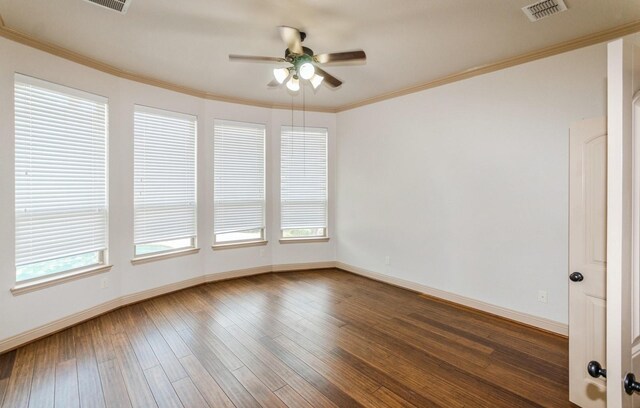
{"type": "Point", "coordinates": [595, 370]}
{"type": "Point", "coordinates": [630, 384]}
{"type": "Point", "coordinates": [576, 277]}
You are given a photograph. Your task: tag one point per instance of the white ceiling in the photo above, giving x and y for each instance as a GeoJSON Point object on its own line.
{"type": "Point", "coordinates": [408, 42]}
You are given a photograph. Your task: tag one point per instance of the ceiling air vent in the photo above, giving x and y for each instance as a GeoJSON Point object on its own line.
{"type": "Point", "coordinates": [538, 11]}
{"type": "Point", "coordinates": [120, 6]}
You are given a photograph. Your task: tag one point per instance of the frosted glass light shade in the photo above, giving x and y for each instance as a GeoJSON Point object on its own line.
{"type": "Point", "coordinates": [281, 74]}
{"type": "Point", "coordinates": [306, 70]}
{"type": "Point", "coordinates": [316, 80]}
{"type": "Point", "coordinates": [294, 84]}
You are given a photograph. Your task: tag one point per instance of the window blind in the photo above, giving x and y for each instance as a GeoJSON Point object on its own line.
{"type": "Point", "coordinates": [239, 177]}
{"type": "Point", "coordinates": [60, 174]}
{"type": "Point", "coordinates": [303, 186]}
{"type": "Point", "coordinates": [164, 176]}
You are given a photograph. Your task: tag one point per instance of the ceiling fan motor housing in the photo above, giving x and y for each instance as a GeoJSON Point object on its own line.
{"type": "Point", "coordinates": [288, 55]}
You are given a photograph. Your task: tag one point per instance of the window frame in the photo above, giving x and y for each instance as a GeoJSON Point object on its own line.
{"type": "Point", "coordinates": [311, 238]}
{"type": "Point", "coordinates": [102, 262]}
{"type": "Point", "coordinates": [262, 238]}
{"type": "Point", "coordinates": [35, 282]}
{"type": "Point", "coordinates": [193, 246]}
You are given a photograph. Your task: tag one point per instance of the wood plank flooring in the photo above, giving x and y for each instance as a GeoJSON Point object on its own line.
{"type": "Point", "coordinates": [300, 339]}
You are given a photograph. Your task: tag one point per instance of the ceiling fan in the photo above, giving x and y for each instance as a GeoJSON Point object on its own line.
{"type": "Point", "coordinates": [303, 64]}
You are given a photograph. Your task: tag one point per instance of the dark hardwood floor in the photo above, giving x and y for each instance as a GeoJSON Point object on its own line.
{"type": "Point", "coordinates": [300, 339]}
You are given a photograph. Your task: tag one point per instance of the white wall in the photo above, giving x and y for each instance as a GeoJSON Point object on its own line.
{"type": "Point", "coordinates": [21, 313]}
{"type": "Point", "coordinates": [465, 186]}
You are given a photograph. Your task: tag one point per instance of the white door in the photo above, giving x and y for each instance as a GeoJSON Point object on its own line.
{"type": "Point", "coordinates": [587, 259]}
{"type": "Point", "coordinates": [623, 283]}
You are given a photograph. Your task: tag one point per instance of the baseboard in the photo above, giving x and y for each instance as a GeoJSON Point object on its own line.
{"type": "Point", "coordinates": [524, 318]}
{"type": "Point", "coordinates": [71, 320]}
{"type": "Point", "coordinates": [303, 266]}
{"type": "Point", "coordinates": [161, 290]}
{"type": "Point", "coordinates": [65, 322]}
{"type": "Point", "coordinates": [239, 273]}
{"type": "Point", "coordinates": [57, 325]}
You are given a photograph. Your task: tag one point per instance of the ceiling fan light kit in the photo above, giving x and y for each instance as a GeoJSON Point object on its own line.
{"type": "Point", "coordinates": [281, 74]}
{"type": "Point", "coordinates": [304, 65]}
{"type": "Point", "coordinates": [306, 70]}
{"type": "Point", "coordinates": [293, 84]}
{"type": "Point", "coordinates": [316, 80]}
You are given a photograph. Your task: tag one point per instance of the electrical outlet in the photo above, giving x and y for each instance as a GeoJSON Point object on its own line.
{"type": "Point", "coordinates": [543, 296]}
{"type": "Point", "coordinates": [104, 283]}
{"type": "Point", "coordinates": [387, 260]}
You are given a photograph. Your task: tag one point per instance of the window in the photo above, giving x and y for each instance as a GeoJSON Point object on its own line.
{"type": "Point", "coordinates": [239, 185]}
{"type": "Point", "coordinates": [164, 181]}
{"type": "Point", "coordinates": [303, 182]}
{"type": "Point", "coordinates": [60, 179]}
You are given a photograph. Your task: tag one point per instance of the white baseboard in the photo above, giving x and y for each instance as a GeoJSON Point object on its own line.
{"type": "Point", "coordinates": [68, 321]}
{"type": "Point", "coordinates": [530, 320]}
{"type": "Point", "coordinates": [239, 273]}
{"type": "Point", "coordinates": [304, 266]}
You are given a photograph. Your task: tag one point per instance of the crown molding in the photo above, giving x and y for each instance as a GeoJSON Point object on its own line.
{"type": "Point", "coordinates": [25, 39]}
{"type": "Point", "coordinates": [576, 43]}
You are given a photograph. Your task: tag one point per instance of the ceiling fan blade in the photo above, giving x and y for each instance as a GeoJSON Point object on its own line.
{"type": "Point", "coordinates": [274, 84]}
{"type": "Point", "coordinates": [253, 58]}
{"type": "Point", "coordinates": [291, 37]}
{"type": "Point", "coordinates": [328, 78]}
{"type": "Point", "coordinates": [347, 56]}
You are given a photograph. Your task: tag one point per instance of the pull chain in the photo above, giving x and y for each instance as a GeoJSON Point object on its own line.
{"type": "Point", "coordinates": [304, 128]}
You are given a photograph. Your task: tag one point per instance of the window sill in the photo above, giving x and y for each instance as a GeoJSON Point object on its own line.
{"type": "Point", "coordinates": [215, 247]}
{"type": "Point", "coordinates": [303, 240]}
{"type": "Point", "coordinates": [45, 282]}
{"type": "Point", "coordinates": [165, 255]}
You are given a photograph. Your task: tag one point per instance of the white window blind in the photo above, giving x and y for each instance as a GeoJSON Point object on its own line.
{"type": "Point", "coordinates": [164, 180]}
{"type": "Point", "coordinates": [60, 178]}
{"type": "Point", "coordinates": [239, 181]}
{"type": "Point", "coordinates": [303, 187]}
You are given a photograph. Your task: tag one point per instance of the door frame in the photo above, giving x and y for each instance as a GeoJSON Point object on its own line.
{"type": "Point", "coordinates": [619, 218]}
